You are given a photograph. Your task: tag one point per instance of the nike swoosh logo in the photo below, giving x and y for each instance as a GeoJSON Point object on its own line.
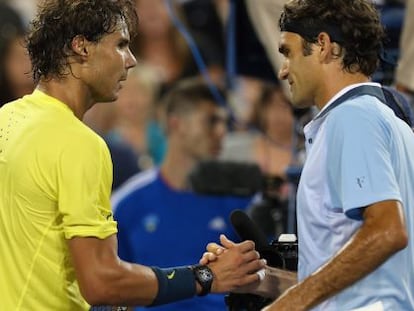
{"type": "Point", "coordinates": [171, 275]}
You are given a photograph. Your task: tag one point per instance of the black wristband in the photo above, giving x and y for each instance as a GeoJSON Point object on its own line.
{"type": "Point", "coordinates": [174, 284]}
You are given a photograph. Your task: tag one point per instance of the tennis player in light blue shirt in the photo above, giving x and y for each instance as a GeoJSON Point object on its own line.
{"type": "Point", "coordinates": [355, 200]}
{"type": "Point", "coordinates": [355, 212]}
{"type": "Point", "coordinates": [369, 160]}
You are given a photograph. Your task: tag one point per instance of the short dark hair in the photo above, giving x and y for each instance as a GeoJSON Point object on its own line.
{"type": "Point", "coordinates": [187, 95]}
{"type": "Point", "coordinates": [59, 21]}
{"type": "Point", "coordinates": [355, 24]}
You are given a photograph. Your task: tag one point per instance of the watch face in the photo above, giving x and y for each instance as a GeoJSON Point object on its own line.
{"type": "Point", "coordinates": [204, 277]}
{"type": "Point", "coordinates": [205, 274]}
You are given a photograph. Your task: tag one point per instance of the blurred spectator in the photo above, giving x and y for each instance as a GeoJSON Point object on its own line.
{"type": "Point", "coordinates": [15, 67]}
{"type": "Point", "coordinates": [392, 18]}
{"type": "Point", "coordinates": [204, 18]}
{"type": "Point", "coordinates": [273, 149]}
{"type": "Point", "coordinates": [274, 118]}
{"type": "Point", "coordinates": [273, 140]}
{"type": "Point", "coordinates": [26, 8]}
{"type": "Point", "coordinates": [264, 16]}
{"type": "Point", "coordinates": [222, 9]}
{"type": "Point", "coordinates": [250, 57]}
{"type": "Point", "coordinates": [237, 145]}
{"type": "Point", "coordinates": [207, 28]}
{"type": "Point", "coordinates": [157, 207]}
{"type": "Point", "coordinates": [101, 118]}
{"type": "Point", "coordinates": [160, 44]}
{"type": "Point", "coordinates": [137, 113]}
{"type": "Point", "coordinates": [404, 79]}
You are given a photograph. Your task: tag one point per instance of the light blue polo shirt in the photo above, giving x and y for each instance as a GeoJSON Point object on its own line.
{"type": "Point", "coordinates": [358, 153]}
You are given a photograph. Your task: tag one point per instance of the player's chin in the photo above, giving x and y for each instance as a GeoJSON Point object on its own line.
{"type": "Point", "coordinates": [107, 99]}
{"type": "Point", "coordinates": [110, 97]}
{"type": "Point", "coordinates": [300, 103]}
{"type": "Point", "coordinates": [115, 96]}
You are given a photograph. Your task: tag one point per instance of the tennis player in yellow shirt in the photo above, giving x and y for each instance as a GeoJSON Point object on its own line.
{"type": "Point", "coordinates": [57, 234]}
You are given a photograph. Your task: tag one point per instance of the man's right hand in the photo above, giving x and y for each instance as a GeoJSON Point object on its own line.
{"type": "Point", "coordinates": [234, 265]}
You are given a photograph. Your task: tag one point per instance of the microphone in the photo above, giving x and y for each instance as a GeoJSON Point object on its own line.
{"type": "Point", "coordinates": [246, 229]}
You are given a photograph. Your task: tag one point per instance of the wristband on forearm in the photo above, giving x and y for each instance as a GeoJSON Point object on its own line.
{"type": "Point", "coordinates": [174, 284]}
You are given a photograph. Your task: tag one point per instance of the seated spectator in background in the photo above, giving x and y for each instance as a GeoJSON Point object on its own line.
{"type": "Point", "coordinates": [160, 220]}
{"type": "Point", "coordinates": [15, 66]}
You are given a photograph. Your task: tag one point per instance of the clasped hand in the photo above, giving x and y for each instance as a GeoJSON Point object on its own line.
{"type": "Point", "coordinates": [261, 279]}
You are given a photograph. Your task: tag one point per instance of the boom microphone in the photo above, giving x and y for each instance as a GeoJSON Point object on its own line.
{"type": "Point", "coordinates": [246, 229]}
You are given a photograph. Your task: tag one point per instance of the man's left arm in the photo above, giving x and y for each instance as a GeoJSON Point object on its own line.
{"type": "Point", "coordinates": [381, 235]}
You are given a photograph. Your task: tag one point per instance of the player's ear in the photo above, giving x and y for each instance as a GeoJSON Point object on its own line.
{"type": "Point", "coordinates": [325, 46]}
{"type": "Point", "coordinates": [323, 40]}
{"type": "Point", "coordinates": [80, 46]}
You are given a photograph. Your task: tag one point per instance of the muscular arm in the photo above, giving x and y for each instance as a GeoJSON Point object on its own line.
{"type": "Point", "coordinates": [381, 235]}
{"type": "Point", "coordinates": [104, 279]}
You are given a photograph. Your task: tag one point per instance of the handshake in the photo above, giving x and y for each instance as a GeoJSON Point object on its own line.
{"type": "Point", "coordinates": [237, 267]}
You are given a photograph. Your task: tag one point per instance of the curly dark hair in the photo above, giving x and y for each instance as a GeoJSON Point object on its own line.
{"type": "Point", "coordinates": [58, 21]}
{"type": "Point", "coordinates": [356, 22]}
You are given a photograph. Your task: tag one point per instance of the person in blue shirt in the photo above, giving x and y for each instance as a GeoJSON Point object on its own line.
{"type": "Point", "coordinates": [355, 200]}
{"type": "Point", "coordinates": [161, 221]}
